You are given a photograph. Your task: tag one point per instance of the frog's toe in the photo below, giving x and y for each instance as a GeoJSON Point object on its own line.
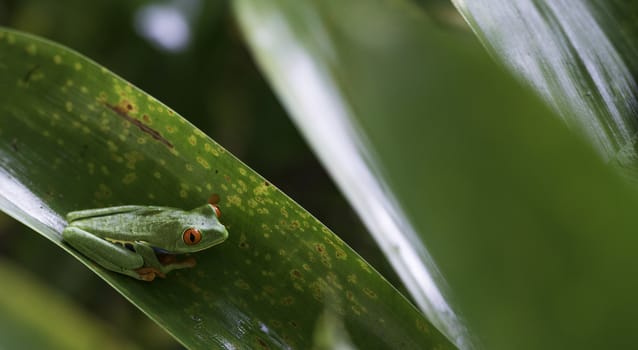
{"type": "Point", "coordinates": [166, 259]}
{"type": "Point", "coordinates": [148, 277]}
{"type": "Point", "coordinates": [189, 262]}
{"type": "Point", "coordinates": [149, 273]}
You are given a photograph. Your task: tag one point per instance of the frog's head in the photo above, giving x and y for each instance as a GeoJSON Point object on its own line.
{"type": "Point", "coordinates": [201, 230]}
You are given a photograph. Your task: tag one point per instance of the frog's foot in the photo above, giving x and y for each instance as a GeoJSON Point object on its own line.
{"type": "Point", "coordinates": [169, 262]}
{"type": "Point", "coordinates": [188, 262]}
{"type": "Point", "coordinates": [149, 273]}
{"type": "Point", "coordinates": [166, 259]}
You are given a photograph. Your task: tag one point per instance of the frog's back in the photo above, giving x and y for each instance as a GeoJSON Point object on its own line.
{"type": "Point", "coordinates": [128, 223]}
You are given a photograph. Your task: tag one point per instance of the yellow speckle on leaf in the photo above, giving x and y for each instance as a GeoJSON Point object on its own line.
{"type": "Point", "coordinates": [203, 162]}
{"type": "Point", "coordinates": [192, 140]}
{"type": "Point", "coordinates": [234, 200]}
{"type": "Point", "coordinates": [57, 59]}
{"type": "Point", "coordinates": [32, 49]}
{"type": "Point", "coordinates": [422, 326]}
{"type": "Point", "coordinates": [243, 188]}
{"type": "Point", "coordinates": [157, 175]}
{"type": "Point", "coordinates": [129, 178]}
{"type": "Point", "coordinates": [77, 66]}
{"type": "Point", "coordinates": [364, 266]}
{"type": "Point", "coordinates": [356, 309]}
{"type": "Point", "coordinates": [298, 286]}
{"type": "Point", "coordinates": [296, 274]}
{"type": "Point", "coordinates": [370, 293]}
{"type": "Point", "coordinates": [260, 190]}
{"type": "Point", "coordinates": [243, 244]}
{"type": "Point", "coordinates": [103, 192]}
{"type": "Point", "coordinates": [112, 146]}
{"type": "Point", "coordinates": [287, 300]}
{"type": "Point", "coordinates": [200, 133]}
{"type": "Point", "coordinates": [69, 106]}
{"type": "Point", "coordinates": [242, 171]}
{"type": "Point", "coordinates": [132, 158]}
{"type": "Point", "coordinates": [241, 284]}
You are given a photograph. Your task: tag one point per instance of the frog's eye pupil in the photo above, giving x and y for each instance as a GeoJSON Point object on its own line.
{"type": "Point", "coordinates": [192, 236]}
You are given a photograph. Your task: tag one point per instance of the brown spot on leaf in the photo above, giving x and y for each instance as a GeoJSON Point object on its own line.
{"type": "Point", "coordinates": [29, 73]}
{"type": "Point", "coordinates": [262, 343]}
{"type": "Point", "coordinates": [122, 112]}
{"type": "Point", "coordinates": [214, 199]}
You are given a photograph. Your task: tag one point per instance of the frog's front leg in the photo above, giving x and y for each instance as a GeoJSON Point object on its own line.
{"type": "Point", "coordinates": [110, 256]}
{"type": "Point", "coordinates": [165, 264]}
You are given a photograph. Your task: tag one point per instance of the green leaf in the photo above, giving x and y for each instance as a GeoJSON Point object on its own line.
{"type": "Point", "coordinates": [580, 57]}
{"type": "Point", "coordinates": [532, 232]}
{"type": "Point", "coordinates": [75, 136]}
{"type": "Point", "coordinates": [33, 316]}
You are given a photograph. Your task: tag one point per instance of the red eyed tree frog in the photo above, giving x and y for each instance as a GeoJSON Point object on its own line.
{"type": "Point", "coordinates": [142, 241]}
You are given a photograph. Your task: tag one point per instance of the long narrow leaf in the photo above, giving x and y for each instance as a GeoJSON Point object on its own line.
{"type": "Point", "coordinates": [75, 136]}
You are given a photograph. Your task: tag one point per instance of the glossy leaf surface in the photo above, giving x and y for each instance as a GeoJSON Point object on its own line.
{"type": "Point", "coordinates": [75, 136]}
{"type": "Point", "coordinates": [580, 56]}
{"type": "Point", "coordinates": [532, 232]}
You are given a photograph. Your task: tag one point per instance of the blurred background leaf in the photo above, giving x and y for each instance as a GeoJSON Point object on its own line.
{"type": "Point", "coordinates": [529, 227]}
{"type": "Point", "coordinates": [581, 57]}
{"type": "Point", "coordinates": [34, 316]}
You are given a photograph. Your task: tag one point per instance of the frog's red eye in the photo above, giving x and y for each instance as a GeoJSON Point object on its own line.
{"type": "Point", "coordinates": [218, 212]}
{"type": "Point", "coordinates": [192, 236]}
